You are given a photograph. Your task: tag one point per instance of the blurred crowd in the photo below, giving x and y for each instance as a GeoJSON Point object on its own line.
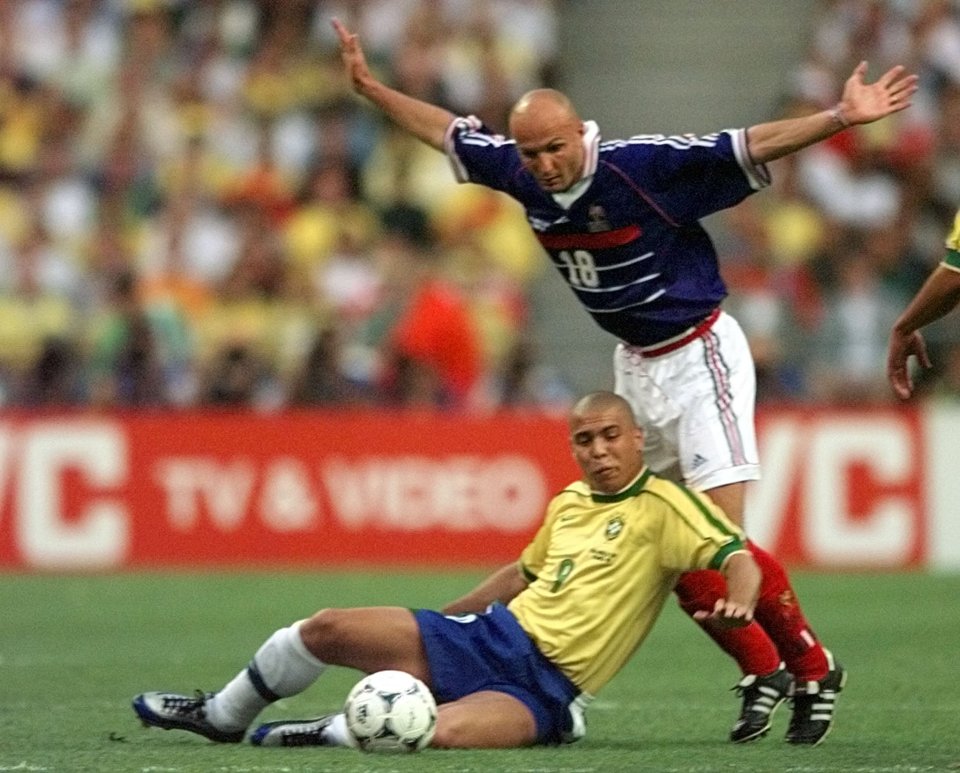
{"type": "Point", "coordinates": [195, 211]}
{"type": "Point", "coordinates": [821, 265]}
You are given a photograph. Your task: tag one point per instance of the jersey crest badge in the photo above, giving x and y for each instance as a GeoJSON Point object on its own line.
{"type": "Point", "coordinates": [614, 527]}
{"type": "Point", "coordinates": [597, 219]}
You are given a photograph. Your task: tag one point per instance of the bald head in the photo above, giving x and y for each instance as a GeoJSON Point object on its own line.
{"type": "Point", "coordinates": [549, 137]}
{"type": "Point", "coordinates": [540, 102]}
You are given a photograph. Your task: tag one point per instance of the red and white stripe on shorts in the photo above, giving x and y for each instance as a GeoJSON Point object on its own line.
{"type": "Point", "coordinates": [694, 397]}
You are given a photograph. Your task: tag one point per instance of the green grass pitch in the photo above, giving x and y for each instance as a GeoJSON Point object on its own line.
{"type": "Point", "coordinates": [75, 649]}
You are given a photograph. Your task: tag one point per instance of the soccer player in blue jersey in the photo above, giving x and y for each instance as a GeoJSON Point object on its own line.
{"type": "Point", "coordinates": [517, 660]}
{"type": "Point", "coordinates": [939, 295]}
{"type": "Point", "coordinates": [620, 221]}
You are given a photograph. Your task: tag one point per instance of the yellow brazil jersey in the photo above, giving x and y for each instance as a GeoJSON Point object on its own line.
{"type": "Point", "coordinates": [952, 258]}
{"type": "Point", "coordinates": [602, 566]}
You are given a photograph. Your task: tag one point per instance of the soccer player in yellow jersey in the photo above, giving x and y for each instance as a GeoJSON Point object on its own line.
{"type": "Point", "coordinates": [517, 660]}
{"type": "Point", "coordinates": [938, 296]}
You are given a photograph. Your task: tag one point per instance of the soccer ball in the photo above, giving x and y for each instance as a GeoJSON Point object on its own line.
{"type": "Point", "coordinates": [391, 711]}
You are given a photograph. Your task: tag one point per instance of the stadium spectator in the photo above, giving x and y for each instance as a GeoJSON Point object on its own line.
{"type": "Point", "coordinates": [40, 292]}
{"type": "Point", "coordinates": [54, 379]}
{"type": "Point", "coordinates": [321, 379]}
{"type": "Point", "coordinates": [128, 346]}
{"type": "Point", "coordinates": [517, 660]}
{"type": "Point", "coordinates": [857, 317]}
{"type": "Point", "coordinates": [260, 319]}
{"type": "Point", "coordinates": [329, 219]}
{"type": "Point", "coordinates": [236, 377]}
{"type": "Point", "coordinates": [429, 349]}
{"type": "Point", "coordinates": [774, 297]}
{"type": "Point", "coordinates": [522, 382]}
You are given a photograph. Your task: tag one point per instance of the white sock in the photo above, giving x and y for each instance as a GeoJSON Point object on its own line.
{"type": "Point", "coordinates": [283, 666]}
{"type": "Point", "coordinates": [235, 705]}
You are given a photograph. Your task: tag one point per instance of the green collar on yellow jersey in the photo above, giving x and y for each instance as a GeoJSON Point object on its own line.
{"type": "Point", "coordinates": [630, 491]}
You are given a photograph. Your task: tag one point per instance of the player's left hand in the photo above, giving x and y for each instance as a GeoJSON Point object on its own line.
{"type": "Point", "coordinates": [865, 102]}
{"type": "Point", "coordinates": [727, 613]}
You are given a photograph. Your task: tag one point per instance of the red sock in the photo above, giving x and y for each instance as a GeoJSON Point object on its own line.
{"type": "Point", "coordinates": [778, 611]}
{"type": "Point", "coordinates": [750, 646]}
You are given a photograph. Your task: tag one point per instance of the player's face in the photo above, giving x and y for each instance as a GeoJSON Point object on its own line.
{"type": "Point", "coordinates": [608, 446]}
{"type": "Point", "coordinates": [550, 145]}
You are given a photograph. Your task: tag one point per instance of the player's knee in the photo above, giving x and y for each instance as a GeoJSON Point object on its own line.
{"type": "Point", "coordinates": [322, 629]}
{"type": "Point", "coordinates": [451, 732]}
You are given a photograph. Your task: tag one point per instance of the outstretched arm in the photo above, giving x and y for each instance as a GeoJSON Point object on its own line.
{"type": "Point", "coordinates": [425, 121]}
{"type": "Point", "coordinates": [743, 586]}
{"type": "Point", "coordinates": [502, 586]}
{"type": "Point", "coordinates": [861, 103]}
{"type": "Point", "coordinates": [939, 295]}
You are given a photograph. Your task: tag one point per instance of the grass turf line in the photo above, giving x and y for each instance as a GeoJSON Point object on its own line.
{"type": "Point", "coordinates": [75, 649]}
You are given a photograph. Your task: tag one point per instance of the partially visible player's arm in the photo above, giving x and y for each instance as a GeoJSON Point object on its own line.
{"type": "Point", "coordinates": [861, 103]}
{"type": "Point", "coordinates": [502, 586]}
{"type": "Point", "coordinates": [427, 122]}
{"type": "Point", "coordinates": [939, 295]}
{"type": "Point", "coordinates": [743, 587]}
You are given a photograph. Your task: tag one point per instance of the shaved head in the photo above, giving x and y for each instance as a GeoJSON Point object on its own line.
{"type": "Point", "coordinates": [597, 402]}
{"type": "Point", "coordinates": [549, 136]}
{"type": "Point", "coordinates": [606, 441]}
{"type": "Point", "coordinates": [541, 102]}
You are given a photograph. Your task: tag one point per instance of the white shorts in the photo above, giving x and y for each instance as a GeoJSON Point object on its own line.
{"type": "Point", "coordinates": [695, 404]}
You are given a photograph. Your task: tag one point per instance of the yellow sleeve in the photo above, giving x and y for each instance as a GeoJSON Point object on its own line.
{"type": "Point", "coordinates": [696, 533]}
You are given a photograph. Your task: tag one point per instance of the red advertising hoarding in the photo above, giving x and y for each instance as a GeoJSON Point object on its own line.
{"type": "Point", "coordinates": [308, 489]}
{"type": "Point", "coordinates": [841, 489]}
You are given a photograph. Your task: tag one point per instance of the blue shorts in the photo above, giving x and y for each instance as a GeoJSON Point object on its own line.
{"type": "Point", "coordinates": [469, 653]}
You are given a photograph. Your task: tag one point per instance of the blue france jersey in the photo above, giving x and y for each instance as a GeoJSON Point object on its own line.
{"type": "Point", "coordinates": [627, 237]}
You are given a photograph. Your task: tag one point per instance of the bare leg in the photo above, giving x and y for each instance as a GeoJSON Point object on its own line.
{"type": "Point", "coordinates": [368, 639]}
{"type": "Point", "coordinates": [485, 720]}
{"type": "Point", "coordinates": [730, 499]}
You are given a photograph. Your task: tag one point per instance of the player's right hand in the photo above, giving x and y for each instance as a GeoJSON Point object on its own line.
{"type": "Point", "coordinates": [727, 613]}
{"type": "Point", "coordinates": [354, 61]}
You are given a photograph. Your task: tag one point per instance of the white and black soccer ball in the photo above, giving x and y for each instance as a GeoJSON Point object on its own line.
{"type": "Point", "coordinates": [391, 711]}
